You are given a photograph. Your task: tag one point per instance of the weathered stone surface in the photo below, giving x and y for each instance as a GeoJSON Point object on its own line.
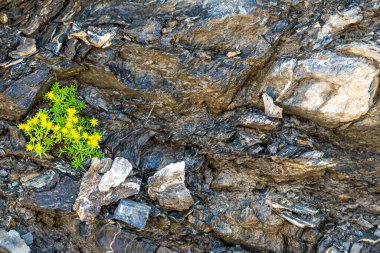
{"type": "Point", "coordinates": [46, 10]}
{"type": "Point", "coordinates": [90, 199]}
{"type": "Point", "coordinates": [327, 87]}
{"type": "Point", "coordinates": [17, 97]}
{"type": "Point", "coordinates": [43, 182]}
{"type": "Point", "coordinates": [12, 242]}
{"type": "Point", "coordinates": [369, 51]}
{"type": "Point", "coordinates": [133, 213]}
{"type": "Point", "coordinates": [119, 171]}
{"type": "Point", "coordinates": [26, 48]}
{"type": "Point", "coordinates": [168, 187]}
{"type": "Point", "coordinates": [339, 21]}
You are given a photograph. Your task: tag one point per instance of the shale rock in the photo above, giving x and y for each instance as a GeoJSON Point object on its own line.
{"type": "Point", "coordinates": [168, 187]}
{"type": "Point", "coordinates": [61, 197]}
{"type": "Point", "coordinates": [17, 97]}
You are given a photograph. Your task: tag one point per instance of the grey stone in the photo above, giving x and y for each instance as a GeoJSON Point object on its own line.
{"type": "Point", "coordinates": [168, 187]}
{"type": "Point", "coordinates": [356, 248]}
{"type": "Point", "coordinates": [133, 213]}
{"type": "Point", "coordinates": [61, 197]}
{"type": "Point", "coordinates": [12, 242]}
{"type": "Point", "coordinates": [28, 238]}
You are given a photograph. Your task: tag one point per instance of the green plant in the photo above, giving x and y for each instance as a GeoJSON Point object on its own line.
{"type": "Point", "coordinates": [61, 129]}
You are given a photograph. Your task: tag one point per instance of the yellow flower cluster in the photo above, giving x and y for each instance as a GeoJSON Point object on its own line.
{"type": "Point", "coordinates": [61, 125]}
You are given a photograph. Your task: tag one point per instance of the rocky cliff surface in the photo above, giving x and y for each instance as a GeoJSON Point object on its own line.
{"type": "Point", "coordinates": [194, 163]}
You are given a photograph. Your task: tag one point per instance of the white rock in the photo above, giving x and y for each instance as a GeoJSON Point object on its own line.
{"type": "Point", "coordinates": [367, 50]}
{"type": "Point", "coordinates": [329, 88]}
{"type": "Point", "coordinates": [12, 242]}
{"type": "Point", "coordinates": [168, 187]}
{"type": "Point", "coordinates": [119, 171]}
{"type": "Point", "coordinates": [271, 109]}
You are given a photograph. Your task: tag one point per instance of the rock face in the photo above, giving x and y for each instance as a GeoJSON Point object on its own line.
{"type": "Point", "coordinates": [168, 187]}
{"type": "Point", "coordinates": [272, 107]}
{"type": "Point", "coordinates": [91, 198]}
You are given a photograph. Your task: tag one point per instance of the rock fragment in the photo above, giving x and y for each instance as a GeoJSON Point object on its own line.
{"type": "Point", "coordinates": [3, 18]}
{"type": "Point", "coordinates": [271, 109]}
{"type": "Point", "coordinates": [257, 120]}
{"type": "Point", "coordinates": [119, 171]}
{"type": "Point", "coordinates": [90, 199]}
{"type": "Point", "coordinates": [47, 9]}
{"type": "Point", "coordinates": [367, 50]}
{"type": "Point", "coordinates": [133, 213]}
{"type": "Point", "coordinates": [61, 197]}
{"type": "Point", "coordinates": [12, 242]}
{"type": "Point", "coordinates": [168, 187]}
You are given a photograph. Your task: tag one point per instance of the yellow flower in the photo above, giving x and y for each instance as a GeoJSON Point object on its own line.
{"type": "Point", "coordinates": [85, 135]}
{"type": "Point", "coordinates": [64, 130]}
{"type": "Point", "coordinates": [75, 134]}
{"type": "Point", "coordinates": [33, 121]}
{"type": "Point", "coordinates": [80, 128]}
{"type": "Point", "coordinates": [50, 95]}
{"type": "Point", "coordinates": [56, 128]}
{"type": "Point", "coordinates": [29, 147]}
{"type": "Point", "coordinates": [69, 124]}
{"type": "Point", "coordinates": [94, 122]}
{"type": "Point", "coordinates": [97, 136]}
{"type": "Point", "coordinates": [71, 112]}
{"type": "Point", "coordinates": [49, 125]}
{"type": "Point", "coordinates": [25, 127]}
{"type": "Point", "coordinates": [46, 124]}
{"type": "Point", "coordinates": [43, 116]}
{"type": "Point", "coordinates": [75, 120]}
{"type": "Point", "coordinates": [38, 148]}
{"type": "Point", "coordinates": [93, 143]}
